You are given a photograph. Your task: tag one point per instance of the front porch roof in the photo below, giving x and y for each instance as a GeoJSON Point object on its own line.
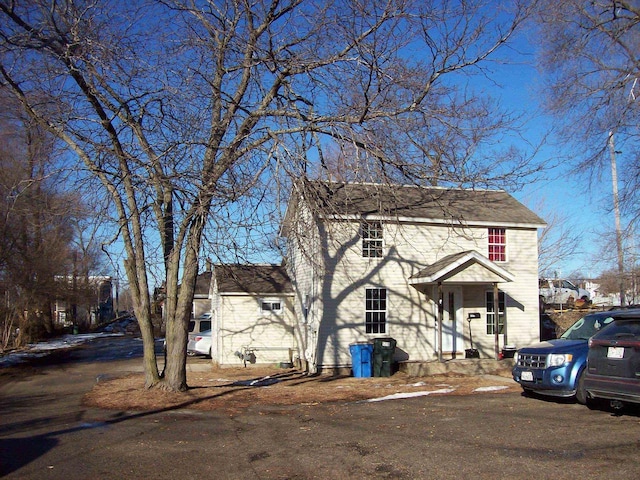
{"type": "Point", "coordinates": [464, 267]}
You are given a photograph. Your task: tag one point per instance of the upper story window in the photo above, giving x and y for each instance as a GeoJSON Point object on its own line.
{"type": "Point", "coordinates": [497, 245]}
{"type": "Point", "coordinates": [270, 305]}
{"type": "Point", "coordinates": [371, 233]}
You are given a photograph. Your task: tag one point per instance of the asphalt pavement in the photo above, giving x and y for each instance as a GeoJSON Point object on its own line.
{"type": "Point", "coordinates": [46, 432]}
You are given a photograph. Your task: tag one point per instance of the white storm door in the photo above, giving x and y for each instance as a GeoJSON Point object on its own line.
{"type": "Point", "coordinates": [452, 322]}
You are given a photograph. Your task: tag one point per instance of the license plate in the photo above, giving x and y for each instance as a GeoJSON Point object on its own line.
{"type": "Point", "coordinates": [526, 376]}
{"type": "Point", "coordinates": [615, 352]}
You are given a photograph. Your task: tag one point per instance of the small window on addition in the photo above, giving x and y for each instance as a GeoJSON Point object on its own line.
{"type": "Point", "coordinates": [271, 305]}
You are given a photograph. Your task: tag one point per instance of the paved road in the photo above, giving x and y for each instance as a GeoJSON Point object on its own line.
{"type": "Point", "coordinates": [45, 432]}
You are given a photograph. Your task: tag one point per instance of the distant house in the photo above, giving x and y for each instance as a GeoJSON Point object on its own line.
{"type": "Point", "coordinates": [84, 301]}
{"type": "Point", "coordinates": [201, 303]}
{"type": "Point", "coordinates": [252, 315]}
{"type": "Point", "coordinates": [434, 268]}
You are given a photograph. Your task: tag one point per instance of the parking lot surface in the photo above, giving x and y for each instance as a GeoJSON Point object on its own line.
{"type": "Point", "coordinates": [46, 432]}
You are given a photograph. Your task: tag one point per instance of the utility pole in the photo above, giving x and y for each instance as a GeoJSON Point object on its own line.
{"type": "Point", "coordinates": [616, 210]}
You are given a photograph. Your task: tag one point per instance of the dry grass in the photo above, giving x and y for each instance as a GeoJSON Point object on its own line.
{"type": "Point", "coordinates": [565, 319]}
{"type": "Point", "coordinates": [230, 390]}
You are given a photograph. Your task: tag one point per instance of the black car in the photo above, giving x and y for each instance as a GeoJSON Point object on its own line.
{"type": "Point", "coordinates": [613, 361]}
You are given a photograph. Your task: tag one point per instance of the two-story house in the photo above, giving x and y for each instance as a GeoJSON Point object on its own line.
{"type": "Point", "coordinates": [433, 268]}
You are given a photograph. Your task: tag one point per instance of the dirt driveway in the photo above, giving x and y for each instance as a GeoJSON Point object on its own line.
{"type": "Point", "coordinates": [46, 433]}
{"type": "Point", "coordinates": [233, 390]}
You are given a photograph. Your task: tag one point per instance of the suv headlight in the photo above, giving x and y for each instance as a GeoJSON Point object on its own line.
{"type": "Point", "coordinates": [558, 359]}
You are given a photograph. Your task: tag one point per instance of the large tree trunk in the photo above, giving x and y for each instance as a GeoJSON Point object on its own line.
{"type": "Point", "coordinates": [176, 322]}
{"type": "Point", "coordinates": [178, 308]}
{"type": "Point", "coordinates": [142, 308]}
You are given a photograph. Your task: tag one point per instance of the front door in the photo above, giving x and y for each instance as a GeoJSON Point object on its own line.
{"type": "Point", "coordinates": [452, 322]}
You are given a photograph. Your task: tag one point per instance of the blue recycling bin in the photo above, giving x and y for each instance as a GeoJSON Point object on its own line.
{"type": "Point", "coordinates": [361, 354]}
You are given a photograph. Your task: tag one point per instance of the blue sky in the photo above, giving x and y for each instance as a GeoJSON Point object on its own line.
{"type": "Point", "coordinates": [563, 190]}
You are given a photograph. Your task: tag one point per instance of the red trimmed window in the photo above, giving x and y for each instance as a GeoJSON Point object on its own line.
{"type": "Point", "coordinates": [497, 245]}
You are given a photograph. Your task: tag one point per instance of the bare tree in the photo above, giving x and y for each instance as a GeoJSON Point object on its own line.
{"type": "Point", "coordinates": [558, 242]}
{"type": "Point", "coordinates": [590, 50]}
{"type": "Point", "coordinates": [182, 109]}
{"type": "Point", "coordinates": [35, 226]}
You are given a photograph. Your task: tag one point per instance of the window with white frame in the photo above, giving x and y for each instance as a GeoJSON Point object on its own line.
{"type": "Point", "coordinates": [371, 233]}
{"type": "Point", "coordinates": [270, 305]}
{"type": "Point", "coordinates": [491, 313]}
{"type": "Point", "coordinates": [376, 310]}
{"type": "Point", "coordinates": [497, 244]}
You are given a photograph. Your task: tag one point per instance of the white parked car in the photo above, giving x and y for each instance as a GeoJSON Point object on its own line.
{"type": "Point", "coordinates": [201, 344]}
{"type": "Point", "coordinates": [196, 327]}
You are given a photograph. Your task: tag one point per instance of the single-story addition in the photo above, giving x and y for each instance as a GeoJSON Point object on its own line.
{"type": "Point", "coordinates": [440, 270]}
{"type": "Point", "coordinates": [252, 315]}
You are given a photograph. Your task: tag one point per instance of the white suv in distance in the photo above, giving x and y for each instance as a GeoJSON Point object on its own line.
{"type": "Point", "coordinates": [196, 327]}
{"type": "Point", "coordinates": [202, 344]}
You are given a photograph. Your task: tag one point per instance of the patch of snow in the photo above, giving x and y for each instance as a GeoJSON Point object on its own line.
{"type": "Point", "coordinates": [490, 389]}
{"type": "Point", "coordinates": [40, 349]}
{"type": "Point", "coordinates": [397, 396]}
{"type": "Point", "coordinates": [257, 382]}
{"type": "Point", "coordinates": [67, 341]}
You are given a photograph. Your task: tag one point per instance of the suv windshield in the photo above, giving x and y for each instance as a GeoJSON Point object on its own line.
{"type": "Point", "coordinates": [586, 327]}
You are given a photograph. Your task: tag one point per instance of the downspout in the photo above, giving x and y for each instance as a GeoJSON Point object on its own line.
{"type": "Point", "coordinates": [440, 318]}
{"type": "Point", "coordinates": [496, 317]}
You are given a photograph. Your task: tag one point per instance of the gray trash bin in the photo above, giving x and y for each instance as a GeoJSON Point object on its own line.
{"type": "Point", "coordinates": [383, 350]}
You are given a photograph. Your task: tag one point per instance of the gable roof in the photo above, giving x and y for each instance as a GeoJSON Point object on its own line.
{"type": "Point", "coordinates": [452, 267]}
{"type": "Point", "coordinates": [415, 203]}
{"type": "Point", "coordinates": [257, 279]}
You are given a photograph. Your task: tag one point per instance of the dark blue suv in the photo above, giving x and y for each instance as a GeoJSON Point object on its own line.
{"type": "Point", "coordinates": [556, 367]}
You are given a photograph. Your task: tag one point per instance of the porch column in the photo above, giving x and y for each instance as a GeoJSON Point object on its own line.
{"type": "Point", "coordinates": [440, 317]}
{"type": "Point", "coordinates": [496, 317]}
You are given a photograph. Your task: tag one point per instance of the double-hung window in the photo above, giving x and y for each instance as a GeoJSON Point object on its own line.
{"type": "Point", "coordinates": [491, 313]}
{"type": "Point", "coordinates": [376, 310]}
{"type": "Point", "coordinates": [371, 233]}
{"type": "Point", "coordinates": [497, 245]}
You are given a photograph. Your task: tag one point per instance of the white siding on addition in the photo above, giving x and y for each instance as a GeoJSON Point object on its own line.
{"type": "Point", "coordinates": [244, 326]}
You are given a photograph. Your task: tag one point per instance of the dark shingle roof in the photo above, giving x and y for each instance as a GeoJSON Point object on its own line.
{"type": "Point", "coordinates": [202, 283]}
{"type": "Point", "coordinates": [425, 203]}
{"type": "Point", "coordinates": [261, 279]}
